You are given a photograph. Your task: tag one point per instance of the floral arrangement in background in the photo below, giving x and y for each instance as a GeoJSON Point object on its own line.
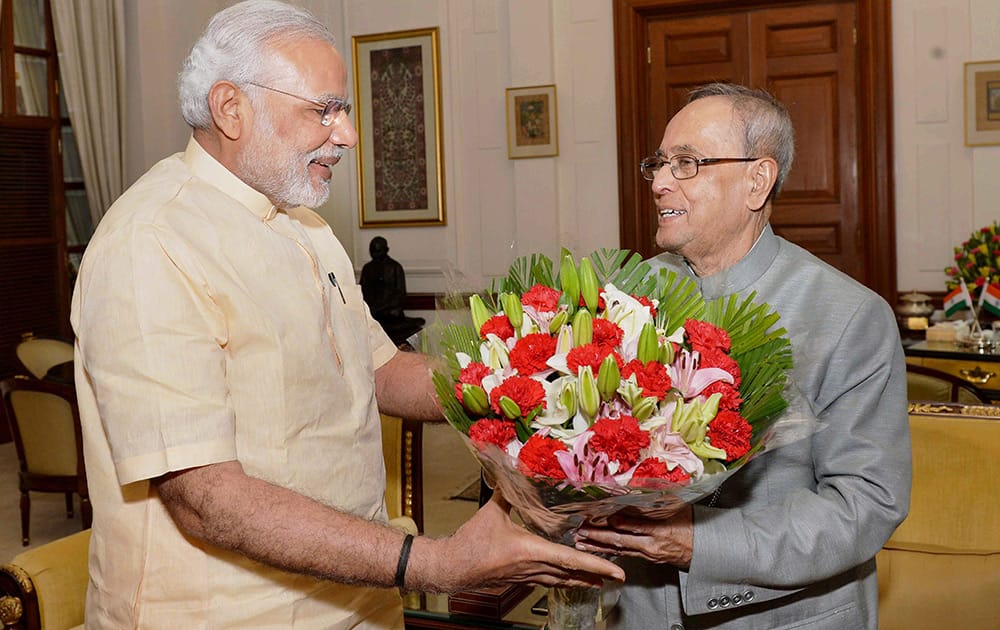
{"type": "Point", "coordinates": [608, 381]}
{"type": "Point", "coordinates": [977, 261]}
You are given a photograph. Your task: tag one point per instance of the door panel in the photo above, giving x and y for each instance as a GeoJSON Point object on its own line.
{"type": "Point", "coordinates": [806, 59]}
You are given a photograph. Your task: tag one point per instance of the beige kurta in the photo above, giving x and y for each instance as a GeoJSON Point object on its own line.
{"type": "Point", "coordinates": [209, 329]}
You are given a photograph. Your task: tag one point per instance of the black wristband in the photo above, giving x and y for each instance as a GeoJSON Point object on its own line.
{"type": "Point", "coordinates": [404, 557]}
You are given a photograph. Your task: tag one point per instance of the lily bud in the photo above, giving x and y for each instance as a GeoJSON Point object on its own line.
{"type": "Point", "coordinates": [512, 307]}
{"type": "Point", "coordinates": [475, 400]}
{"type": "Point", "coordinates": [567, 399]}
{"type": "Point", "coordinates": [557, 321]}
{"type": "Point", "coordinates": [479, 311]}
{"type": "Point", "coordinates": [583, 327]}
{"type": "Point", "coordinates": [588, 285]}
{"type": "Point", "coordinates": [645, 408]}
{"type": "Point", "coordinates": [570, 280]}
{"type": "Point", "coordinates": [667, 353]}
{"type": "Point", "coordinates": [509, 408]}
{"type": "Point", "coordinates": [649, 344]}
{"type": "Point", "coordinates": [705, 450]}
{"type": "Point", "coordinates": [608, 378]}
{"type": "Point", "coordinates": [590, 397]}
{"type": "Point", "coordinates": [564, 341]}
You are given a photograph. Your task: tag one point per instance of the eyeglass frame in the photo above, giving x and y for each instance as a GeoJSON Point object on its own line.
{"type": "Point", "coordinates": [659, 160]}
{"type": "Point", "coordinates": [330, 108]}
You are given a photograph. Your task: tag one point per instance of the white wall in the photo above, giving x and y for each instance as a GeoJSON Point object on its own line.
{"type": "Point", "coordinates": [944, 189]}
{"type": "Point", "coordinates": [498, 208]}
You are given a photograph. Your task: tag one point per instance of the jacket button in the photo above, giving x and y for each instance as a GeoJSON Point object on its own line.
{"type": "Point", "coordinates": [676, 626]}
{"type": "Point", "coordinates": [713, 604]}
{"type": "Point", "coordinates": [725, 602]}
{"type": "Point", "coordinates": [737, 599]}
{"type": "Point", "coordinates": [748, 596]}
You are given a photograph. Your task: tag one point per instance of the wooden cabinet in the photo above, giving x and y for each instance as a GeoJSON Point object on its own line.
{"type": "Point", "coordinates": [979, 369]}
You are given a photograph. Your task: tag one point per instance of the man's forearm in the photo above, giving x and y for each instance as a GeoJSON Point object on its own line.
{"type": "Point", "coordinates": [223, 506]}
{"type": "Point", "coordinates": [404, 388]}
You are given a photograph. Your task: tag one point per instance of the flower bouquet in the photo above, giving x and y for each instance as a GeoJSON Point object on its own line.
{"type": "Point", "coordinates": [977, 261]}
{"type": "Point", "coordinates": [606, 387]}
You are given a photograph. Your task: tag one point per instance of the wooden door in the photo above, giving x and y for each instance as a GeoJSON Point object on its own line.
{"type": "Point", "coordinates": [836, 201]}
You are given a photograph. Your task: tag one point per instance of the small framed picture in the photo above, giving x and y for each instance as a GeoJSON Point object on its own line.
{"type": "Point", "coordinates": [982, 103]}
{"type": "Point", "coordinates": [531, 122]}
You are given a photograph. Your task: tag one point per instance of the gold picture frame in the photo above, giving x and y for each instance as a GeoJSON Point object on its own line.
{"type": "Point", "coordinates": [982, 103]}
{"type": "Point", "coordinates": [397, 93]}
{"type": "Point", "coordinates": [532, 123]}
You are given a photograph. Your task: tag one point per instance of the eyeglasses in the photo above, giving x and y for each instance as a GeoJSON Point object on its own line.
{"type": "Point", "coordinates": [330, 108]}
{"type": "Point", "coordinates": [682, 166]}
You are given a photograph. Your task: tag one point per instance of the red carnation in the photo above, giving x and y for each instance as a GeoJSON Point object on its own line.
{"type": "Point", "coordinates": [652, 377]}
{"type": "Point", "coordinates": [730, 400]}
{"type": "Point", "coordinates": [652, 468]}
{"type": "Point", "coordinates": [499, 325]}
{"type": "Point", "coordinates": [538, 457]}
{"type": "Point", "coordinates": [526, 392]}
{"type": "Point", "coordinates": [542, 298]}
{"type": "Point", "coordinates": [703, 335]}
{"type": "Point", "coordinates": [487, 431]}
{"type": "Point", "coordinates": [474, 373]}
{"type": "Point", "coordinates": [731, 432]}
{"type": "Point", "coordinates": [530, 353]}
{"type": "Point", "coordinates": [590, 354]}
{"type": "Point", "coordinates": [621, 440]}
{"type": "Point", "coordinates": [607, 333]}
{"type": "Point", "coordinates": [716, 358]}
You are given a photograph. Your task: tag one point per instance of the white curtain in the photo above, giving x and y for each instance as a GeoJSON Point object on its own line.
{"type": "Point", "coordinates": [90, 37]}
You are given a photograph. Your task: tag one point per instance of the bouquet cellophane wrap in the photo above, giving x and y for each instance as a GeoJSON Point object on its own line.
{"type": "Point", "coordinates": [555, 511]}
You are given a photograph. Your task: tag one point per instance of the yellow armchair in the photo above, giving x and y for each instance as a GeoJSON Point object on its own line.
{"type": "Point", "coordinates": [941, 567]}
{"type": "Point", "coordinates": [46, 586]}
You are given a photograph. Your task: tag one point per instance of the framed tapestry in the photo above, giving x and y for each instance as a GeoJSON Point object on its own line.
{"type": "Point", "coordinates": [397, 91]}
{"type": "Point", "coordinates": [982, 103]}
{"type": "Point", "coordinates": [531, 122]}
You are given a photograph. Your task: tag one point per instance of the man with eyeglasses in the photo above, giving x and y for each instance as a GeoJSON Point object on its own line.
{"type": "Point", "coordinates": [230, 376]}
{"type": "Point", "coordinates": [790, 540]}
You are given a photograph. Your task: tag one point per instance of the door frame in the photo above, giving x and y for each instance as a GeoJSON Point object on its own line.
{"type": "Point", "coordinates": [876, 191]}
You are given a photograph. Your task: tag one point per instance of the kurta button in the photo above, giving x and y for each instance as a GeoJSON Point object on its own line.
{"type": "Point", "coordinates": [737, 599]}
{"type": "Point", "coordinates": [725, 602]}
{"type": "Point", "coordinates": [748, 596]}
{"type": "Point", "coordinates": [713, 604]}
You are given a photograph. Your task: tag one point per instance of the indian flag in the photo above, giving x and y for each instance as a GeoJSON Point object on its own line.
{"type": "Point", "coordinates": [957, 300]}
{"type": "Point", "coordinates": [990, 299]}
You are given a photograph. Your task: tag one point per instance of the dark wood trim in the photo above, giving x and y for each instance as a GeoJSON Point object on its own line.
{"type": "Point", "coordinates": [875, 115]}
{"type": "Point", "coordinates": [420, 302]}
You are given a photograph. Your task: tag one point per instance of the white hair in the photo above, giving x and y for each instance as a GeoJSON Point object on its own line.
{"type": "Point", "coordinates": [233, 48]}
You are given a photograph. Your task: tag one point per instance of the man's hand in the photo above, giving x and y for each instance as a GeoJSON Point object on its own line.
{"type": "Point", "coordinates": [667, 541]}
{"type": "Point", "coordinates": [491, 549]}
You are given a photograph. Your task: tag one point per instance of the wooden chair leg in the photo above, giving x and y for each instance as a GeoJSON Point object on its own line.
{"type": "Point", "coordinates": [69, 505]}
{"type": "Point", "coordinates": [86, 512]}
{"type": "Point", "coordinates": [25, 518]}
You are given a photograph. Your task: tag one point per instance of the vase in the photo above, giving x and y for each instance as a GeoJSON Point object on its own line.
{"type": "Point", "coordinates": [573, 608]}
{"type": "Point", "coordinates": [580, 608]}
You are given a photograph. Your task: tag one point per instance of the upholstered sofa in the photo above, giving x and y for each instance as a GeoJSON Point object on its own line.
{"type": "Point", "coordinates": [941, 567]}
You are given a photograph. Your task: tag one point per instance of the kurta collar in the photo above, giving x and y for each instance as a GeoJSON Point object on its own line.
{"type": "Point", "coordinates": [745, 272]}
{"type": "Point", "coordinates": [209, 169]}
